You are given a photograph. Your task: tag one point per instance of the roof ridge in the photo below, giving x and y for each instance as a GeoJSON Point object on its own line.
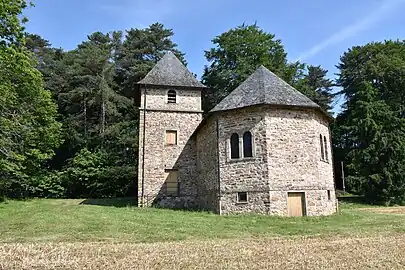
{"type": "Point", "coordinates": [263, 69]}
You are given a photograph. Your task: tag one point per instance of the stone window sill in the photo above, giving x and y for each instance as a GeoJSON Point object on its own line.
{"type": "Point", "coordinates": [235, 160]}
{"type": "Point", "coordinates": [241, 203]}
{"type": "Point", "coordinates": [325, 161]}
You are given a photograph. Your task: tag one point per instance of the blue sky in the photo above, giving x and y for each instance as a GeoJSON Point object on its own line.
{"type": "Point", "coordinates": [317, 32]}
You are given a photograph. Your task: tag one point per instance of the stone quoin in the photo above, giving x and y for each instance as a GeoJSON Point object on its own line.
{"type": "Point", "coordinates": [265, 148]}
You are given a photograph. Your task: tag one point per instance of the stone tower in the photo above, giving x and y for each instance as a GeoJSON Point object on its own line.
{"type": "Point", "coordinates": [170, 111]}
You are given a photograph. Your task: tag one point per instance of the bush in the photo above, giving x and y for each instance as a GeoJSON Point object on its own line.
{"type": "Point", "coordinates": [50, 186]}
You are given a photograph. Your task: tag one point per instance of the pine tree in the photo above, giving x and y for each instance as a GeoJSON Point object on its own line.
{"type": "Point", "coordinates": [369, 134]}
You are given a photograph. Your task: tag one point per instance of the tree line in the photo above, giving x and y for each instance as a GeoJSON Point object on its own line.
{"type": "Point", "coordinates": [69, 123]}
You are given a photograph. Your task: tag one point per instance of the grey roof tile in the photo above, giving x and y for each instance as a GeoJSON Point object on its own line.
{"type": "Point", "coordinates": [169, 71]}
{"type": "Point", "coordinates": [264, 87]}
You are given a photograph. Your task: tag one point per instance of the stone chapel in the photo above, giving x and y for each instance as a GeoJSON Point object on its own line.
{"type": "Point", "coordinates": [265, 148]}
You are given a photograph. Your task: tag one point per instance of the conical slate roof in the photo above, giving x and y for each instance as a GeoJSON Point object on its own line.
{"type": "Point", "coordinates": [169, 71]}
{"type": "Point", "coordinates": [264, 87]}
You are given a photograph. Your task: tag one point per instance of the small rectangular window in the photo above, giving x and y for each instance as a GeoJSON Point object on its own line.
{"type": "Point", "coordinates": [329, 197]}
{"type": "Point", "coordinates": [242, 197]}
{"type": "Point", "coordinates": [171, 137]}
{"type": "Point", "coordinates": [171, 183]}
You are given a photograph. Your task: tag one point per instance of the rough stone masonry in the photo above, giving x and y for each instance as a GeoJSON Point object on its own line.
{"type": "Point", "coordinates": [265, 148]}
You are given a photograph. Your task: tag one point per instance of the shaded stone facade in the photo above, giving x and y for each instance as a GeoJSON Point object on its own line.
{"type": "Point", "coordinates": [182, 117]}
{"type": "Point", "coordinates": [290, 149]}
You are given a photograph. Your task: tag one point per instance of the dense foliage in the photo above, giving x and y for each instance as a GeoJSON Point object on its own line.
{"type": "Point", "coordinates": [94, 86]}
{"type": "Point", "coordinates": [69, 119]}
{"type": "Point", "coordinates": [29, 131]}
{"type": "Point", "coordinates": [240, 51]}
{"type": "Point", "coordinates": [369, 133]}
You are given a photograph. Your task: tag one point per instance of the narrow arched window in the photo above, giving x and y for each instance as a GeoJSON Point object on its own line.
{"type": "Point", "coordinates": [326, 148]}
{"type": "Point", "coordinates": [171, 96]}
{"type": "Point", "coordinates": [235, 146]}
{"type": "Point", "coordinates": [247, 144]}
{"type": "Point", "coordinates": [321, 143]}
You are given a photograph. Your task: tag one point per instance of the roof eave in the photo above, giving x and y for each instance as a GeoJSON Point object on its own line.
{"type": "Point", "coordinates": [284, 106]}
{"type": "Point", "coordinates": [183, 87]}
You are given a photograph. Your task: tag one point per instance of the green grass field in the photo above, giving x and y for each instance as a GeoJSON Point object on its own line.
{"type": "Point", "coordinates": [70, 234]}
{"type": "Point", "coordinates": [69, 220]}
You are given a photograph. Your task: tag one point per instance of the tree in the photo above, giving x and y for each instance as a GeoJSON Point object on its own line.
{"type": "Point", "coordinates": [317, 87]}
{"type": "Point", "coordinates": [94, 88]}
{"type": "Point", "coordinates": [240, 51]}
{"type": "Point", "coordinates": [140, 51]}
{"type": "Point", "coordinates": [237, 54]}
{"type": "Point", "coordinates": [29, 132]}
{"type": "Point", "coordinates": [96, 118]}
{"type": "Point", "coordinates": [49, 61]}
{"type": "Point", "coordinates": [91, 100]}
{"type": "Point", "coordinates": [370, 131]}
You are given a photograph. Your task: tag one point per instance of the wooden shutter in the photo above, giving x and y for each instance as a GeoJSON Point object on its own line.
{"type": "Point", "coordinates": [171, 137]}
{"type": "Point", "coordinates": [172, 183]}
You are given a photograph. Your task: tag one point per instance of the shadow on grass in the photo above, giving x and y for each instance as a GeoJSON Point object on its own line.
{"type": "Point", "coordinates": [355, 199]}
{"type": "Point", "coordinates": [114, 202]}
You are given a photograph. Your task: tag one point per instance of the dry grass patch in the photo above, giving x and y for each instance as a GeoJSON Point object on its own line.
{"type": "Point", "coordinates": [386, 210]}
{"type": "Point", "coordinates": [376, 252]}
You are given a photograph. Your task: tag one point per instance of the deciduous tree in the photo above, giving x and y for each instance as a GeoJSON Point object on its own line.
{"type": "Point", "coordinates": [29, 132]}
{"type": "Point", "coordinates": [241, 50]}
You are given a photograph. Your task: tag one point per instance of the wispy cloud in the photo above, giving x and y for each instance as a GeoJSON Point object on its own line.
{"type": "Point", "coordinates": [140, 13]}
{"type": "Point", "coordinates": [381, 12]}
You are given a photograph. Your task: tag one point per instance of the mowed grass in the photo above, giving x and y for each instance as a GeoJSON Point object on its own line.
{"type": "Point", "coordinates": [42, 220]}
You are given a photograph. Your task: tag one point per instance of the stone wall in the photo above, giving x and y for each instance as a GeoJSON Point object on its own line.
{"type": "Point", "coordinates": [317, 202]}
{"type": "Point", "coordinates": [286, 159]}
{"type": "Point", "coordinates": [186, 100]}
{"type": "Point", "coordinates": [207, 166]}
{"type": "Point", "coordinates": [243, 174]}
{"type": "Point", "coordinates": [295, 163]}
{"type": "Point", "coordinates": [183, 118]}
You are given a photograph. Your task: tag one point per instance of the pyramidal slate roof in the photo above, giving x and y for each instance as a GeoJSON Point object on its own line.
{"type": "Point", "coordinates": [169, 71]}
{"type": "Point", "coordinates": [264, 87]}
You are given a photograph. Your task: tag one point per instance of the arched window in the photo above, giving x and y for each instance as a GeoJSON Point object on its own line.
{"type": "Point", "coordinates": [235, 146]}
{"type": "Point", "coordinates": [326, 148]}
{"type": "Point", "coordinates": [321, 143]}
{"type": "Point", "coordinates": [247, 144]}
{"type": "Point", "coordinates": [171, 96]}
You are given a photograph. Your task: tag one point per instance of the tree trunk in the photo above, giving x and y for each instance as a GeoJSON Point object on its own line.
{"type": "Point", "coordinates": [103, 117]}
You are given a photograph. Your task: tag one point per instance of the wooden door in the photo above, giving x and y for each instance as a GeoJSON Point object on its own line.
{"type": "Point", "coordinates": [296, 204]}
